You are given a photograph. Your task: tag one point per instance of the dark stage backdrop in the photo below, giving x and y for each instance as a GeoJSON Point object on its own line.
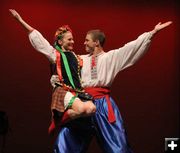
{"type": "Point", "coordinates": [147, 93]}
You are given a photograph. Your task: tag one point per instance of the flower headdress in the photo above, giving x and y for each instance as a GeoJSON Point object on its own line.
{"type": "Point", "coordinates": [60, 31]}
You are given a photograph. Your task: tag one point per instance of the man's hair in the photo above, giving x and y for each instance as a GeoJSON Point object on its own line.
{"type": "Point", "coordinates": [61, 31]}
{"type": "Point", "coordinates": [97, 35]}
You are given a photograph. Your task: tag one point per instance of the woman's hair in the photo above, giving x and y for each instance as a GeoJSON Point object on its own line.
{"type": "Point", "coordinates": [61, 31]}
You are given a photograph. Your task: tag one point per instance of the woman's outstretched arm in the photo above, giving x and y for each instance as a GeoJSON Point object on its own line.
{"type": "Point", "coordinates": [20, 20]}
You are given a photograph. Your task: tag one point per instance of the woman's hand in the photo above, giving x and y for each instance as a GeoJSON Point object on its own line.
{"type": "Point", "coordinates": [15, 14]}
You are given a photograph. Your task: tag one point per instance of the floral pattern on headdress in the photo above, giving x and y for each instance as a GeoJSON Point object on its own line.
{"type": "Point", "coordinates": [60, 31]}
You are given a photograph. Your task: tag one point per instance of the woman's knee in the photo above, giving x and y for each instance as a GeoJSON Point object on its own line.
{"type": "Point", "coordinates": [90, 108]}
{"type": "Point", "coordinates": [84, 108]}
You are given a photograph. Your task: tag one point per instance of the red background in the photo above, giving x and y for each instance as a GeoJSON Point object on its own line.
{"type": "Point", "coordinates": [147, 93]}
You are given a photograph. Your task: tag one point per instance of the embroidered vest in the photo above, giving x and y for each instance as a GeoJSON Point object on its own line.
{"type": "Point", "coordinates": [75, 65]}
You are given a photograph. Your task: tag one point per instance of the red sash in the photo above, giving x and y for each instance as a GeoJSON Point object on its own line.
{"type": "Point", "coordinates": [58, 65]}
{"type": "Point", "coordinates": [100, 93]}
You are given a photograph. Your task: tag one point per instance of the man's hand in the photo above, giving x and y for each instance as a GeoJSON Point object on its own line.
{"type": "Point", "coordinates": [160, 26]}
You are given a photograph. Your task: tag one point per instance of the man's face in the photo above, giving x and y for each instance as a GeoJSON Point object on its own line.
{"type": "Point", "coordinates": [89, 44]}
{"type": "Point", "coordinates": [67, 41]}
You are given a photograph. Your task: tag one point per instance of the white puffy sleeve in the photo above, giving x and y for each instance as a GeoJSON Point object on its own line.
{"type": "Point", "coordinates": [130, 53]}
{"type": "Point", "coordinates": [42, 45]}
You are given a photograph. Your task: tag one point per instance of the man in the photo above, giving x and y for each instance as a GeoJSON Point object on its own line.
{"type": "Point", "coordinates": [99, 70]}
{"type": "Point", "coordinates": [66, 67]}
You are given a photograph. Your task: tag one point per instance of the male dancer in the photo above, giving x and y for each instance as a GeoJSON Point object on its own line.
{"type": "Point", "coordinates": [99, 70]}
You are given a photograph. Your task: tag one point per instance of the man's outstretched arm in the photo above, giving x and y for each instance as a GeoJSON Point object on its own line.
{"type": "Point", "coordinates": [20, 20]}
{"type": "Point", "coordinates": [131, 52]}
